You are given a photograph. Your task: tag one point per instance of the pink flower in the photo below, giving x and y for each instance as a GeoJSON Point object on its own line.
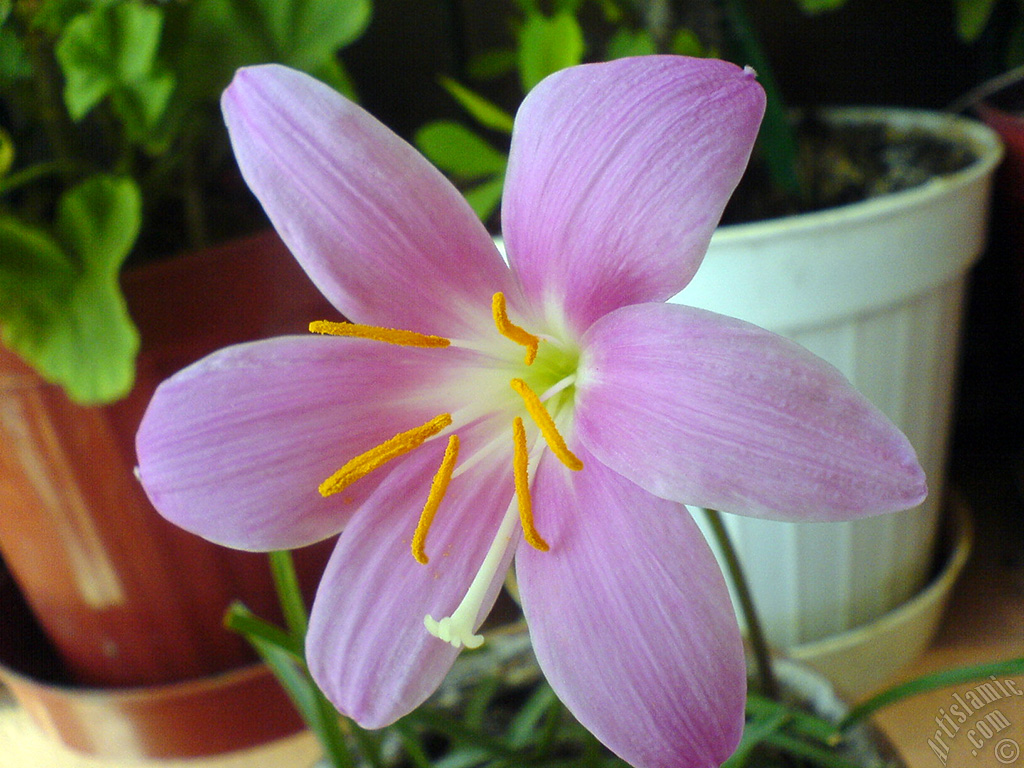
{"type": "Point", "coordinates": [458, 451]}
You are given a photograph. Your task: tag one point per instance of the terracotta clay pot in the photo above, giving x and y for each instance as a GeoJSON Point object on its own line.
{"type": "Point", "coordinates": [126, 598]}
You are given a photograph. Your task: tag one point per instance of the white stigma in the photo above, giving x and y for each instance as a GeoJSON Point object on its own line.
{"type": "Point", "coordinates": [454, 629]}
{"type": "Point", "coordinates": [457, 629]}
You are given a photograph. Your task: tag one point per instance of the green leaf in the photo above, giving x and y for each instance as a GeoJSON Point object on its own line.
{"type": "Point", "coordinates": [6, 152]}
{"type": "Point", "coordinates": [627, 42]}
{"type": "Point", "coordinates": [547, 45]}
{"type": "Point", "coordinates": [463, 757]}
{"type": "Point", "coordinates": [611, 11]}
{"type": "Point", "coordinates": [971, 18]}
{"type": "Point", "coordinates": [238, 618]}
{"type": "Point", "coordinates": [60, 302]}
{"type": "Point", "coordinates": [98, 221]}
{"type": "Point", "coordinates": [105, 49]}
{"type": "Point", "coordinates": [776, 137]}
{"type": "Point", "coordinates": [798, 722]}
{"type": "Point", "coordinates": [485, 112]}
{"type": "Point", "coordinates": [529, 715]}
{"type": "Point", "coordinates": [484, 197]}
{"type": "Point", "coordinates": [934, 681]}
{"type": "Point", "coordinates": [568, 6]}
{"type": "Point", "coordinates": [333, 72]}
{"type": "Point", "coordinates": [142, 105]}
{"type": "Point", "coordinates": [686, 43]}
{"type": "Point", "coordinates": [304, 34]}
{"type": "Point", "coordinates": [52, 16]}
{"type": "Point", "coordinates": [14, 63]}
{"type": "Point", "coordinates": [492, 64]}
{"type": "Point", "coordinates": [457, 150]}
{"type": "Point", "coordinates": [754, 732]}
{"type": "Point", "coordinates": [36, 279]}
{"type": "Point", "coordinates": [820, 6]}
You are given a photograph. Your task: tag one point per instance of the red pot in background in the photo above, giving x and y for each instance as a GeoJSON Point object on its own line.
{"type": "Point", "coordinates": [1010, 186]}
{"type": "Point", "coordinates": [125, 598]}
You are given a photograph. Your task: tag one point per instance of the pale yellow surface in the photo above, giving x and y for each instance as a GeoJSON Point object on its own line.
{"type": "Point", "coordinates": [23, 746]}
{"type": "Point", "coordinates": [984, 623]}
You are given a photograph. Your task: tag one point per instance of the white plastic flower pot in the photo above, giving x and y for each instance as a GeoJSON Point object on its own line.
{"type": "Point", "coordinates": [876, 288]}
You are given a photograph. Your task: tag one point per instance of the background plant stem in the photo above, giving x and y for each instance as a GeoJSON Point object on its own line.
{"type": "Point", "coordinates": [764, 674]}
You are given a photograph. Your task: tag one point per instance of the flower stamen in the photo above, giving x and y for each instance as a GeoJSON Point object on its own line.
{"type": "Point", "coordinates": [510, 330]}
{"type": "Point", "coordinates": [546, 425]}
{"type": "Point", "coordinates": [437, 490]}
{"type": "Point", "coordinates": [520, 461]}
{"type": "Point", "coordinates": [387, 335]}
{"type": "Point", "coordinates": [400, 444]}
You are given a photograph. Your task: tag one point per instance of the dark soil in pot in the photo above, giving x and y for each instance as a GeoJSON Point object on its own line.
{"type": "Point", "coordinates": [845, 163]}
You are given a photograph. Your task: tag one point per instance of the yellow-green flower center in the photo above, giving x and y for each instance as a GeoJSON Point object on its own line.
{"type": "Point", "coordinates": [545, 384]}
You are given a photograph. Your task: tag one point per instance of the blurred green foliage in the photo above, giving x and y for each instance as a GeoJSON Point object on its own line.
{"type": "Point", "coordinates": [546, 37]}
{"type": "Point", "coordinates": [109, 111]}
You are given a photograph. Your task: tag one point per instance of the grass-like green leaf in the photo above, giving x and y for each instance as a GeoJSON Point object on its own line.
{"type": "Point", "coordinates": [240, 619]}
{"type": "Point", "coordinates": [942, 679]}
{"type": "Point", "coordinates": [798, 721]}
{"type": "Point", "coordinates": [457, 150]}
{"type": "Point", "coordinates": [755, 731]}
{"type": "Point", "coordinates": [485, 112]}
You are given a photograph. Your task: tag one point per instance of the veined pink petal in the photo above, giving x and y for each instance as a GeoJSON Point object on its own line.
{"type": "Point", "coordinates": [234, 447]}
{"type": "Point", "coordinates": [381, 232]}
{"type": "Point", "coordinates": [631, 620]}
{"type": "Point", "coordinates": [735, 418]}
{"type": "Point", "coordinates": [619, 173]}
{"type": "Point", "coordinates": [367, 647]}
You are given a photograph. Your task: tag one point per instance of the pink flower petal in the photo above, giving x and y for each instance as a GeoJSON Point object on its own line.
{"type": "Point", "coordinates": [631, 620]}
{"type": "Point", "coordinates": [367, 647]}
{"type": "Point", "coordinates": [618, 175]}
{"type": "Point", "coordinates": [234, 447]}
{"type": "Point", "coordinates": [735, 418]}
{"type": "Point", "coordinates": [380, 231]}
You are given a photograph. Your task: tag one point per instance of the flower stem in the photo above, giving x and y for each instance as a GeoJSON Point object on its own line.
{"type": "Point", "coordinates": [765, 676]}
{"type": "Point", "coordinates": [283, 651]}
{"type": "Point", "coordinates": [289, 593]}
